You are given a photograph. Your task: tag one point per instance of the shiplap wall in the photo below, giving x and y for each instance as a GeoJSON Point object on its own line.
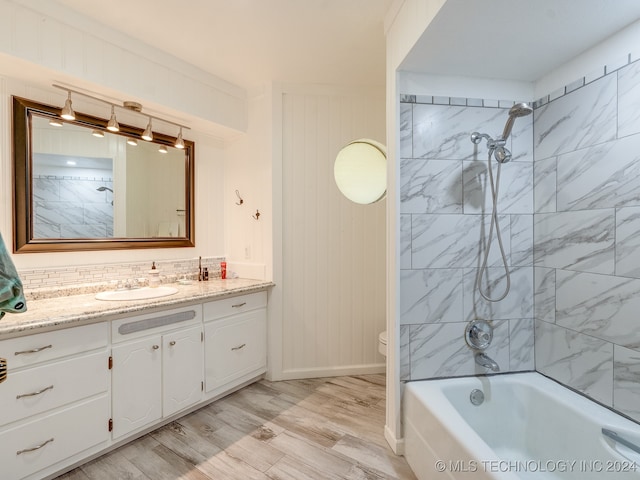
{"type": "Point", "coordinates": [333, 269]}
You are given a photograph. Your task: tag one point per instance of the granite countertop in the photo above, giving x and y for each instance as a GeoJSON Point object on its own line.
{"type": "Point", "coordinates": [75, 310]}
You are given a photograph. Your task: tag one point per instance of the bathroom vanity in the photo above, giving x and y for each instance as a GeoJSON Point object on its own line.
{"type": "Point", "coordinates": [85, 376]}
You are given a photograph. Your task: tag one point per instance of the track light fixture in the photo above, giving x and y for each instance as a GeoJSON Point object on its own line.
{"type": "Point", "coordinates": [148, 134]}
{"type": "Point", "coordinates": [179, 141]}
{"type": "Point", "coordinates": [132, 141]}
{"type": "Point", "coordinates": [133, 107]}
{"type": "Point", "coordinates": [113, 126]}
{"type": "Point", "coordinates": [67, 111]}
{"type": "Point", "coordinates": [97, 133]}
{"type": "Point", "coordinates": [54, 122]}
{"type": "Point", "coordinates": [163, 149]}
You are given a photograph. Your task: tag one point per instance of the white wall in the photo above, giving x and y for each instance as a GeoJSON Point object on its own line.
{"type": "Point", "coordinates": [248, 169]}
{"type": "Point", "coordinates": [406, 21]}
{"type": "Point", "coordinates": [328, 306]}
{"type": "Point", "coordinates": [45, 44]}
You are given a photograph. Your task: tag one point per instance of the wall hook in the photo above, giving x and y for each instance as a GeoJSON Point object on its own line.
{"type": "Point", "coordinates": [257, 215]}
{"type": "Point", "coordinates": [239, 198]}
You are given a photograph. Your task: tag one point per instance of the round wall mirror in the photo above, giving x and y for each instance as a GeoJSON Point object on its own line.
{"type": "Point", "coordinates": [360, 171]}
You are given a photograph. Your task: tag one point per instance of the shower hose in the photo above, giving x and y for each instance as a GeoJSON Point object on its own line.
{"type": "Point", "coordinates": [486, 294]}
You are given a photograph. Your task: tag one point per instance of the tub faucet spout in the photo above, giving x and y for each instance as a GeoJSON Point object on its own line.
{"type": "Point", "coordinates": [486, 361]}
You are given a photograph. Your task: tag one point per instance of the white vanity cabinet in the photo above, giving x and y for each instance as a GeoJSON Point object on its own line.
{"type": "Point", "coordinates": [157, 362]}
{"type": "Point", "coordinates": [74, 393]}
{"type": "Point", "coordinates": [235, 331]}
{"type": "Point", "coordinates": [55, 400]}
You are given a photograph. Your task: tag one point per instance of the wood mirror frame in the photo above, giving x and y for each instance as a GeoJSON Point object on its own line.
{"type": "Point", "coordinates": [23, 212]}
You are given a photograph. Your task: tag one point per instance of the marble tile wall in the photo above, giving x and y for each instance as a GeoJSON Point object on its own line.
{"type": "Point", "coordinates": [445, 217]}
{"type": "Point", "coordinates": [72, 207]}
{"type": "Point", "coordinates": [586, 242]}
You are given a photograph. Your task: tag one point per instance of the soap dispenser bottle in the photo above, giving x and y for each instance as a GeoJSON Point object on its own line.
{"type": "Point", "coordinates": [154, 276]}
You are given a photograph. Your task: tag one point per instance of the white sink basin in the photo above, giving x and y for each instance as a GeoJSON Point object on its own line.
{"type": "Point", "coordinates": [143, 293]}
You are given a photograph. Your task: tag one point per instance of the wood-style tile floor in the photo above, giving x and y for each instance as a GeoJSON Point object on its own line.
{"type": "Point", "coordinates": [317, 429]}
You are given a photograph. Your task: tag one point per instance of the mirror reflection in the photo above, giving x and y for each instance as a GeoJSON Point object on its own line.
{"type": "Point", "coordinates": [93, 189]}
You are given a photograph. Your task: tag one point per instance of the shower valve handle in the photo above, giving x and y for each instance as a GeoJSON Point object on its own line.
{"type": "Point", "coordinates": [479, 334]}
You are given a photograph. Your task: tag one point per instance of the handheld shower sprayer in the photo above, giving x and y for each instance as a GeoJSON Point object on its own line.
{"type": "Point", "coordinates": [497, 147]}
{"type": "Point", "coordinates": [518, 110]}
{"type": "Point", "coordinates": [502, 155]}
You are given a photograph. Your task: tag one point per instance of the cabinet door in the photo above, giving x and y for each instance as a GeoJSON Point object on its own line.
{"type": "Point", "coordinates": [182, 369]}
{"type": "Point", "coordinates": [137, 384]}
{"type": "Point", "coordinates": [234, 347]}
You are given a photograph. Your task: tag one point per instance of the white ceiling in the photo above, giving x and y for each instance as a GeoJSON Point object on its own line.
{"type": "Point", "coordinates": [518, 40]}
{"type": "Point", "coordinates": [249, 42]}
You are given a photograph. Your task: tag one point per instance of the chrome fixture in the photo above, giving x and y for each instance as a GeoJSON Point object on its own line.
{"type": "Point", "coordinates": [502, 155]}
{"type": "Point", "coordinates": [476, 397]}
{"type": "Point", "coordinates": [102, 189]}
{"type": "Point", "coordinates": [67, 111]}
{"type": "Point", "coordinates": [486, 361]}
{"type": "Point", "coordinates": [478, 334]}
{"type": "Point", "coordinates": [68, 114]}
{"type": "Point", "coordinates": [113, 126]}
{"type": "Point", "coordinates": [621, 440]}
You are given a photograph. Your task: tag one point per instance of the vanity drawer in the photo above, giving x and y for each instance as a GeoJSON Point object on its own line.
{"type": "Point", "coordinates": [235, 347]}
{"type": "Point", "coordinates": [42, 347]}
{"type": "Point", "coordinates": [32, 446]}
{"type": "Point", "coordinates": [234, 305]}
{"type": "Point", "coordinates": [153, 323]}
{"type": "Point", "coordinates": [38, 389]}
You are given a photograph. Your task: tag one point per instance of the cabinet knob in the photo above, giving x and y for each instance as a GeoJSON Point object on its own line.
{"type": "Point", "coordinates": [172, 343]}
{"type": "Point", "coordinates": [156, 347]}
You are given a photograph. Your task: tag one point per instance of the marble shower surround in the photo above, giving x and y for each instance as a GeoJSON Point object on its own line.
{"type": "Point", "coordinates": [445, 211]}
{"type": "Point", "coordinates": [582, 265]}
{"type": "Point", "coordinates": [587, 247]}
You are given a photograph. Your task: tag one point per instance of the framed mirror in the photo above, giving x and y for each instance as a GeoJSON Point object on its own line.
{"type": "Point", "coordinates": [78, 186]}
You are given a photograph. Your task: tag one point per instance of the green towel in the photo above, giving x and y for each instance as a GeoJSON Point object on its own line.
{"type": "Point", "coordinates": [11, 292]}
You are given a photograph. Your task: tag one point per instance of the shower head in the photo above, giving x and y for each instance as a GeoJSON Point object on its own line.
{"type": "Point", "coordinates": [518, 110]}
{"type": "Point", "coordinates": [102, 189]}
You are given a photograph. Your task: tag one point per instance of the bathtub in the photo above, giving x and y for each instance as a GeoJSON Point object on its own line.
{"type": "Point", "coordinates": [528, 427]}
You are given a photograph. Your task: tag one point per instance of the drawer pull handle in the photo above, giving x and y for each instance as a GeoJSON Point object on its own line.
{"type": "Point", "coordinates": [172, 343]}
{"type": "Point", "coordinates": [155, 347]}
{"type": "Point", "coordinates": [239, 347]}
{"type": "Point", "coordinates": [37, 447]}
{"type": "Point", "coordinates": [35, 350]}
{"type": "Point", "coordinates": [50, 387]}
{"type": "Point", "coordinates": [238, 305]}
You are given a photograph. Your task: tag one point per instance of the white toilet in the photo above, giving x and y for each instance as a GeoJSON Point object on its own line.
{"type": "Point", "coordinates": [382, 343]}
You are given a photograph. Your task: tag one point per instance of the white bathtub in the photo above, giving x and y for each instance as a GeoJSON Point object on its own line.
{"type": "Point", "coordinates": [528, 427]}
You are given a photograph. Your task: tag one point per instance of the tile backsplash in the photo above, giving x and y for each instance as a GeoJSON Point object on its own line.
{"type": "Point", "coordinates": [59, 281]}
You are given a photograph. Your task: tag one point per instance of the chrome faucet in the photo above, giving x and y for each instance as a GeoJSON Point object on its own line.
{"type": "Point", "coordinates": [486, 361]}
